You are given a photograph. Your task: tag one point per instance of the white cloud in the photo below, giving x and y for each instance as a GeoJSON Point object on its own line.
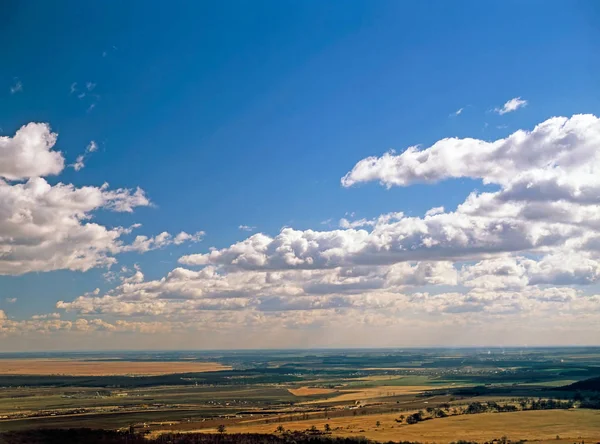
{"type": "Point", "coordinates": [524, 255]}
{"type": "Point", "coordinates": [92, 147]}
{"type": "Point", "coordinates": [345, 223]}
{"type": "Point", "coordinates": [11, 300]}
{"type": "Point", "coordinates": [16, 87]}
{"type": "Point", "coordinates": [434, 211]}
{"type": "Point", "coordinates": [458, 112]}
{"type": "Point", "coordinates": [447, 236]}
{"type": "Point", "coordinates": [246, 228]}
{"type": "Point", "coordinates": [556, 145]}
{"type": "Point", "coordinates": [143, 244]}
{"type": "Point", "coordinates": [512, 105]}
{"type": "Point", "coordinates": [29, 153]}
{"type": "Point", "coordinates": [90, 86]}
{"type": "Point", "coordinates": [73, 88]}
{"type": "Point", "coordinates": [47, 227]}
{"type": "Point", "coordinates": [79, 163]}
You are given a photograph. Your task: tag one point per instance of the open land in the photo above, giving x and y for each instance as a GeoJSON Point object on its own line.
{"type": "Point", "coordinates": [469, 394]}
{"type": "Point", "coordinates": [568, 425]}
{"type": "Point", "coordinates": [101, 368]}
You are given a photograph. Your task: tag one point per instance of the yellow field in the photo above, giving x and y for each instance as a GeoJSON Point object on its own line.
{"type": "Point", "coordinates": [382, 391]}
{"type": "Point", "coordinates": [537, 426]}
{"type": "Point", "coordinates": [101, 368]}
{"type": "Point", "coordinates": [308, 391]}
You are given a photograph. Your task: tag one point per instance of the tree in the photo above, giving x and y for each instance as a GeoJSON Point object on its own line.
{"type": "Point", "coordinates": [221, 428]}
{"type": "Point", "coordinates": [377, 424]}
{"type": "Point", "coordinates": [327, 428]}
{"type": "Point", "coordinates": [280, 429]}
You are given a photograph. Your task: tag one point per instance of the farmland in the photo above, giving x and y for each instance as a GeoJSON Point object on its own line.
{"type": "Point", "coordinates": [468, 394]}
{"type": "Point", "coordinates": [76, 367]}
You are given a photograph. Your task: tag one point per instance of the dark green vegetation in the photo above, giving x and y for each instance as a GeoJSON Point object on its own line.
{"type": "Point", "coordinates": [58, 436]}
{"type": "Point", "coordinates": [588, 385]}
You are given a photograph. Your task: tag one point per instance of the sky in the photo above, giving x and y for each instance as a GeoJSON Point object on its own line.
{"type": "Point", "coordinates": [205, 175]}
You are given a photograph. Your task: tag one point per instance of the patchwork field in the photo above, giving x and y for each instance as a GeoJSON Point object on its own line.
{"type": "Point", "coordinates": [456, 394]}
{"type": "Point", "coordinates": [74, 367]}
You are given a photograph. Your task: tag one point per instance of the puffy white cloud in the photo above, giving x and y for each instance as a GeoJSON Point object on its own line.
{"type": "Point", "coordinates": [187, 291]}
{"type": "Point", "coordinates": [509, 272]}
{"type": "Point", "coordinates": [512, 105]}
{"type": "Point", "coordinates": [445, 236]}
{"type": "Point", "coordinates": [524, 250]}
{"type": "Point", "coordinates": [435, 210]}
{"type": "Point", "coordinates": [557, 146]}
{"type": "Point", "coordinates": [29, 153]}
{"type": "Point", "coordinates": [47, 227]}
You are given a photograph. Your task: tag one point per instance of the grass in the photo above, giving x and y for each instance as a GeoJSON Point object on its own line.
{"type": "Point", "coordinates": [570, 425]}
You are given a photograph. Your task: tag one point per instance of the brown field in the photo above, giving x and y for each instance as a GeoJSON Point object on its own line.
{"type": "Point", "coordinates": [309, 391]}
{"type": "Point", "coordinates": [538, 426]}
{"type": "Point", "coordinates": [73, 367]}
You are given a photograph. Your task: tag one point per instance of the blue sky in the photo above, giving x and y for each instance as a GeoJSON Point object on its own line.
{"type": "Point", "coordinates": [250, 113]}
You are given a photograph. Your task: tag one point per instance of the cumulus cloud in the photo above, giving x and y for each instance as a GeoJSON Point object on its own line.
{"type": "Point", "coordinates": [520, 249]}
{"type": "Point", "coordinates": [529, 248]}
{"type": "Point", "coordinates": [47, 227]}
{"type": "Point", "coordinates": [555, 146]}
{"type": "Point", "coordinates": [29, 153]}
{"type": "Point", "coordinates": [512, 105]}
{"type": "Point", "coordinates": [446, 236]}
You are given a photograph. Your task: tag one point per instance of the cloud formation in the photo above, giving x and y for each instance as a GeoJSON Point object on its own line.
{"type": "Point", "coordinates": [29, 153]}
{"type": "Point", "coordinates": [528, 247]}
{"type": "Point", "coordinates": [46, 227]}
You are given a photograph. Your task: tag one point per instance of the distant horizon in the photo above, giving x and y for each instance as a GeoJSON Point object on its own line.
{"type": "Point", "coordinates": [333, 349]}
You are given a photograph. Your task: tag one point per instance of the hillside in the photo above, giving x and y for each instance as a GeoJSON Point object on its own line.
{"type": "Point", "coordinates": [589, 385]}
